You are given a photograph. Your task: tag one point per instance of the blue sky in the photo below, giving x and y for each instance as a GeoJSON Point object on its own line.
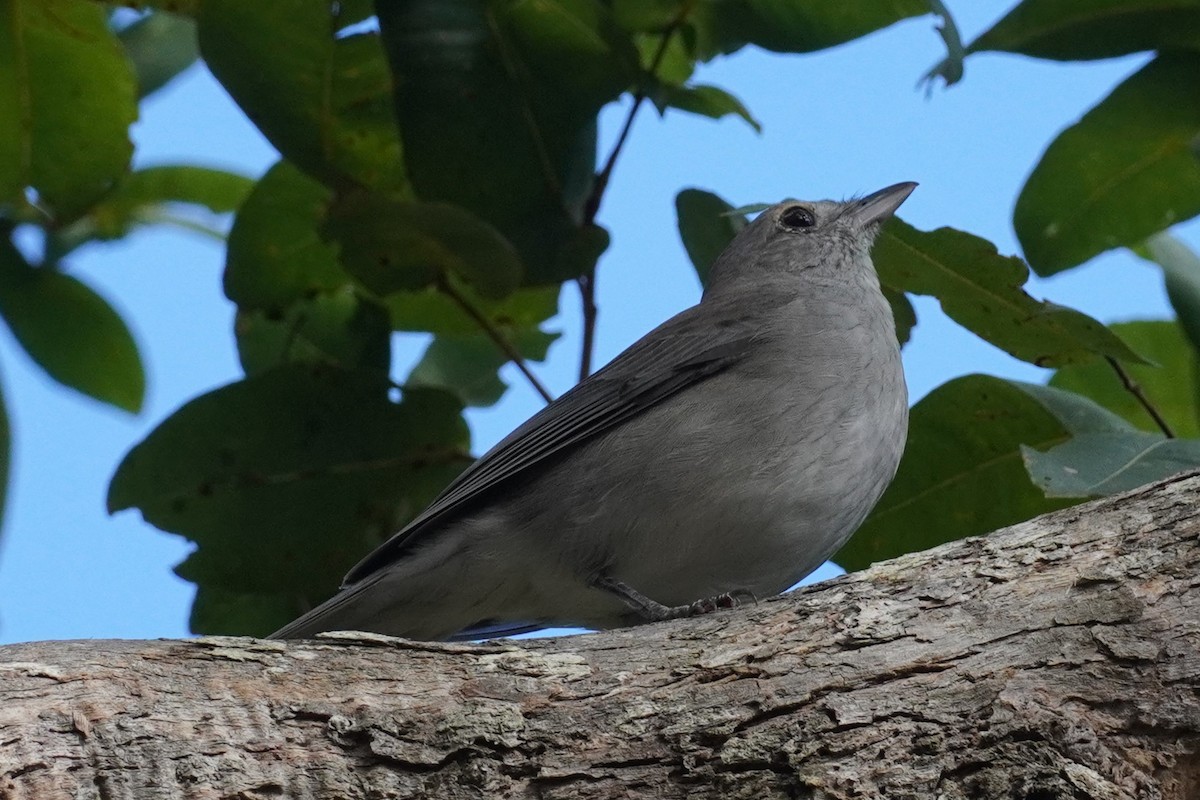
{"type": "Point", "coordinates": [837, 123]}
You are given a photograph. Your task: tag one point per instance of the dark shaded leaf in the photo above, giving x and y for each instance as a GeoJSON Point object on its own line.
{"type": "Point", "coordinates": [391, 245]}
{"type": "Point", "coordinates": [323, 99]}
{"type": "Point", "coordinates": [286, 478]}
{"type": "Point", "coordinates": [160, 46]}
{"type": "Point", "coordinates": [903, 313]}
{"type": "Point", "coordinates": [70, 331]}
{"type": "Point", "coordinates": [981, 290]}
{"type": "Point", "coordinates": [802, 27]}
{"type": "Point", "coordinates": [500, 121]}
{"type": "Point", "coordinates": [707, 224]}
{"type": "Point", "coordinates": [67, 98]}
{"type": "Point", "coordinates": [217, 612]}
{"type": "Point", "coordinates": [1122, 173]}
{"type": "Point", "coordinates": [275, 254]}
{"type": "Point", "coordinates": [1085, 29]}
{"type": "Point", "coordinates": [962, 473]}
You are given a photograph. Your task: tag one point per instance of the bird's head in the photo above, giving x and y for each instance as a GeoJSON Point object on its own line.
{"type": "Point", "coordinates": [824, 241]}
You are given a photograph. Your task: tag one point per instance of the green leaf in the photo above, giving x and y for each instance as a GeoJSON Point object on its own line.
{"type": "Point", "coordinates": [498, 105]}
{"type": "Point", "coordinates": [431, 310]}
{"type": "Point", "coordinates": [707, 224]}
{"type": "Point", "coordinates": [67, 98]}
{"type": "Point", "coordinates": [321, 97]}
{"type": "Point", "coordinates": [391, 245]}
{"type": "Point", "coordinates": [276, 255]}
{"type": "Point", "coordinates": [962, 473]}
{"type": "Point", "coordinates": [1122, 173]}
{"type": "Point", "coordinates": [1105, 454]}
{"type": "Point", "coordinates": [1100, 464]}
{"type": "Point", "coordinates": [178, 195]}
{"type": "Point", "coordinates": [1170, 383]}
{"type": "Point", "coordinates": [284, 479]}
{"type": "Point", "coordinates": [981, 290]}
{"type": "Point", "coordinates": [1181, 273]}
{"type": "Point", "coordinates": [160, 46]}
{"type": "Point", "coordinates": [339, 328]}
{"type": "Point", "coordinates": [1086, 29]}
{"type": "Point", "coordinates": [802, 27]}
{"type": "Point", "coordinates": [468, 365]}
{"type": "Point", "coordinates": [903, 313]}
{"type": "Point", "coordinates": [708, 101]}
{"type": "Point", "coordinates": [70, 331]}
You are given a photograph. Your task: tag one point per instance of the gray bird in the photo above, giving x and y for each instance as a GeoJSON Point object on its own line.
{"type": "Point", "coordinates": [725, 454]}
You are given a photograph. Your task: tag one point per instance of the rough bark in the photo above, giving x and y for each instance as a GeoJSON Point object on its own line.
{"type": "Point", "coordinates": [1059, 658]}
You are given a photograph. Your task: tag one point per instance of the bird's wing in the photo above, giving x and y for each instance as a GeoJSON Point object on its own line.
{"type": "Point", "coordinates": [679, 353]}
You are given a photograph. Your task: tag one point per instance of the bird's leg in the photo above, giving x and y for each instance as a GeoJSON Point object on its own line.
{"type": "Point", "coordinates": [653, 611]}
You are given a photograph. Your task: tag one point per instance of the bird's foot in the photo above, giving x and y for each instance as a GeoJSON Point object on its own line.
{"type": "Point", "coordinates": [653, 611]}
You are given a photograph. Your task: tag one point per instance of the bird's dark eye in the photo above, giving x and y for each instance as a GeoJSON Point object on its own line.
{"type": "Point", "coordinates": [797, 217]}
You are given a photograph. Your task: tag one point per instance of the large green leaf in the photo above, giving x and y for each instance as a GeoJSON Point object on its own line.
{"type": "Point", "coordinates": [161, 46]}
{"type": "Point", "coordinates": [391, 245]}
{"type": "Point", "coordinates": [1170, 383]}
{"type": "Point", "coordinates": [962, 473]}
{"type": "Point", "coordinates": [1085, 29]}
{"type": "Point", "coordinates": [1123, 172]}
{"type": "Point", "coordinates": [498, 103]}
{"type": "Point", "coordinates": [284, 479]}
{"type": "Point", "coordinates": [67, 98]}
{"type": "Point", "coordinates": [276, 255]}
{"type": "Point", "coordinates": [981, 290]}
{"type": "Point", "coordinates": [182, 195]}
{"type": "Point", "coordinates": [70, 331]}
{"type": "Point", "coordinates": [320, 95]}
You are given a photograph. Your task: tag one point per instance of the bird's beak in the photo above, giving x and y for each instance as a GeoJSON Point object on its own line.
{"type": "Point", "coordinates": [877, 207]}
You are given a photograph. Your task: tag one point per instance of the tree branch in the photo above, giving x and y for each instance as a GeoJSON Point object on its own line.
{"type": "Point", "coordinates": [1135, 389]}
{"type": "Point", "coordinates": [496, 335]}
{"type": "Point", "coordinates": [591, 207]}
{"type": "Point", "coordinates": [1056, 658]}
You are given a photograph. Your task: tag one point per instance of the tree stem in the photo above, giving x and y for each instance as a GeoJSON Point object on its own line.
{"type": "Point", "coordinates": [1135, 389]}
{"type": "Point", "coordinates": [587, 281]}
{"type": "Point", "coordinates": [496, 335]}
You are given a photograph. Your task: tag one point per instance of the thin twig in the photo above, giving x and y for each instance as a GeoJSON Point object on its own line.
{"type": "Point", "coordinates": [496, 335]}
{"type": "Point", "coordinates": [587, 281]}
{"type": "Point", "coordinates": [1134, 389]}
